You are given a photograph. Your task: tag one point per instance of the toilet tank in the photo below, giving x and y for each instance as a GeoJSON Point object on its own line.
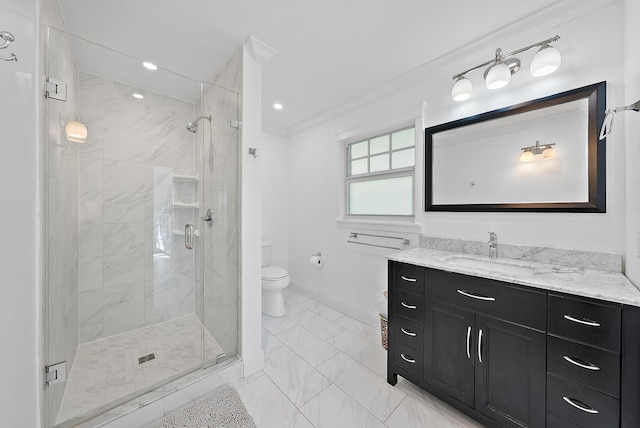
{"type": "Point", "coordinates": [266, 252]}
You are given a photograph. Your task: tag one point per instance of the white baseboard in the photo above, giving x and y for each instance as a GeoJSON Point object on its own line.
{"type": "Point", "coordinates": [253, 364]}
{"type": "Point", "coordinates": [369, 318]}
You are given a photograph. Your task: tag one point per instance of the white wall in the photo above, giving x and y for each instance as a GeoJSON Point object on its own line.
{"type": "Point", "coordinates": [20, 395]}
{"type": "Point", "coordinates": [275, 198]}
{"type": "Point", "coordinates": [353, 277]}
{"type": "Point", "coordinates": [631, 121]}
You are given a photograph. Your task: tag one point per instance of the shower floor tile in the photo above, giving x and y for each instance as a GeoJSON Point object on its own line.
{"type": "Point", "coordinates": [108, 369]}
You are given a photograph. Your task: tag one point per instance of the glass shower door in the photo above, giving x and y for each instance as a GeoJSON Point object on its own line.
{"type": "Point", "coordinates": [121, 288]}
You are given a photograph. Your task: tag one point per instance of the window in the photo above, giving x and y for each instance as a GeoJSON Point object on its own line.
{"type": "Point", "coordinates": [380, 174]}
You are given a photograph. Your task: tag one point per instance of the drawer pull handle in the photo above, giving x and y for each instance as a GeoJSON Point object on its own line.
{"type": "Point", "coordinates": [408, 359]}
{"type": "Point", "coordinates": [408, 332]}
{"type": "Point", "coordinates": [469, 342]}
{"type": "Point", "coordinates": [408, 279]}
{"type": "Point", "coordinates": [584, 321]}
{"type": "Point", "coordinates": [581, 363]}
{"type": "Point", "coordinates": [408, 306]}
{"type": "Point", "coordinates": [476, 296]}
{"type": "Point", "coordinates": [580, 406]}
{"type": "Point", "coordinates": [480, 345]}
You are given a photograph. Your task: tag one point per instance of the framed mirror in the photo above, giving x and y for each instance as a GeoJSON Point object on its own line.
{"type": "Point", "coordinates": [496, 161]}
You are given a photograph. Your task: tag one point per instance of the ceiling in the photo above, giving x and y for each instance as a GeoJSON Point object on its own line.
{"type": "Point", "coordinates": [330, 51]}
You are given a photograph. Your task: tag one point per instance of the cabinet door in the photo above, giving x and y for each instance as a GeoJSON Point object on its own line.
{"type": "Point", "coordinates": [510, 373]}
{"type": "Point", "coordinates": [449, 350]}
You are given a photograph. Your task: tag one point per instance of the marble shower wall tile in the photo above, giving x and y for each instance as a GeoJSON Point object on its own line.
{"type": "Point", "coordinates": [609, 262]}
{"type": "Point", "coordinates": [126, 170]}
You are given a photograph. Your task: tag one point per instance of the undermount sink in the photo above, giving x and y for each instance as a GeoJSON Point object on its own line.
{"type": "Point", "coordinates": [492, 266]}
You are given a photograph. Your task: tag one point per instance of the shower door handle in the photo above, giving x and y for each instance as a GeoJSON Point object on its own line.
{"type": "Point", "coordinates": [188, 236]}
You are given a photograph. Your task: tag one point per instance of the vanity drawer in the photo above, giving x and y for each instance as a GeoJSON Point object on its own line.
{"type": "Point", "coordinates": [409, 305]}
{"type": "Point", "coordinates": [593, 367]}
{"type": "Point", "coordinates": [409, 332]}
{"type": "Point", "coordinates": [554, 421]}
{"type": "Point", "coordinates": [582, 406]}
{"type": "Point", "coordinates": [586, 321]}
{"type": "Point", "coordinates": [409, 278]}
{"type": "Point", "coordinates": [408, 359]}
{"type": "Point", "coordinates": [494, 298]}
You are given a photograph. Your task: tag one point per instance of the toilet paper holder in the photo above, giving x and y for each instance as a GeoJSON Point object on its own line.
{"type": "Point", "coordinates": [318, 254]}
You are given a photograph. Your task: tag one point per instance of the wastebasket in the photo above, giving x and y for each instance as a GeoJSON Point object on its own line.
{"type": "Point", "coordinates": [384, 331]}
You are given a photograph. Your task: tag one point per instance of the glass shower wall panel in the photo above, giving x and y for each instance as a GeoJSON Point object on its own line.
{"type": "Point", "coordinates": [61, 216]}
{"type": "Point", "coordinates": [221, 172]}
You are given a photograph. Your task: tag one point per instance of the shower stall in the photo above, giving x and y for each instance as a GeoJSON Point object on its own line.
{"type": "Point", "coordinates": [141, 227]}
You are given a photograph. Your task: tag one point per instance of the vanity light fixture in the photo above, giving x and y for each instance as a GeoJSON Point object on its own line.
{"type": "Point", "coordinates": [278, 106]}
{"type": "Point", "coordinates": [76, 132]}
{"type": "Point", "coordinates": [546, 150]}
{"type": "Point", "coordinates": [498, 74]}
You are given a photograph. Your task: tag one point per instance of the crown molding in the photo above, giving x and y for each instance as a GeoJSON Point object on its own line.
{"type": "Point", "coordinates": [259, 50]}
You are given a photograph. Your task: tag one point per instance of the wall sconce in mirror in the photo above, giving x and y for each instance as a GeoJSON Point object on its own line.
{"type": "Point", "coordinates": [607, 124]}
{"type": "Point", "coordinates": [76, 132]}
{"type": "Point", "coordinates": [546, 150]}
{"type": "Point", "coordinates": [498, 74]}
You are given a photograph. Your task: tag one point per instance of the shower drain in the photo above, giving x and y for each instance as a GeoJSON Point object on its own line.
{"type": "Point", "coordinates": [145, 358]}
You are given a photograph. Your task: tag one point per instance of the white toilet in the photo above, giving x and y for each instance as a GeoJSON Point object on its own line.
{"type": "Point", "coordinates": [274, 280]}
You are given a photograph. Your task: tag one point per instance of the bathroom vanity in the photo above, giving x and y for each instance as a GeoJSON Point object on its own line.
{"type": "Point", "coordinates": [516, 344]}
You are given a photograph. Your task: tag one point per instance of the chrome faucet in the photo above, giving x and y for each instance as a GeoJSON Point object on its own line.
{"type": "Point", "coordinates": [493, 246]}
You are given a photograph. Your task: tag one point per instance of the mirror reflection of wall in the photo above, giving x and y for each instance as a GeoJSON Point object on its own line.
{"type": "Point", "coordinates": [480, 163]}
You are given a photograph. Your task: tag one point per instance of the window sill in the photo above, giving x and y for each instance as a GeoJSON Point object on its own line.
{"type": "Point", "coordinates": [380, 225]}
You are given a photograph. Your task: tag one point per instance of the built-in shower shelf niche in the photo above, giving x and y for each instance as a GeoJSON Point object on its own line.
{"type": "Point", "coordinates": [186, 205]}
{"type": "Point", "coordinates": [180, 232]}
{"type": "Point", "coordinates": [186, 178]}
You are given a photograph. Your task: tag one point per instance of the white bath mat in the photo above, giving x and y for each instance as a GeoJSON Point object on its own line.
{"type": "Point", "coordinates": [220, 409]}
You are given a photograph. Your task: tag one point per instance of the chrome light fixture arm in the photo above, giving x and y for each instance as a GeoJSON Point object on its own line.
{"type": "Point", "coordinates": [500, 56]}
{"type": "Point", "coordinates": [607, 124]}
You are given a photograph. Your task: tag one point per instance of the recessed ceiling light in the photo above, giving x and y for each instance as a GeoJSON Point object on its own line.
{"type": "Point", "coordinates": [150, 65]}
{"type": "Point", "coordinates": [138, 96]}
{"type": "Point", "coordinates": [277, 106]}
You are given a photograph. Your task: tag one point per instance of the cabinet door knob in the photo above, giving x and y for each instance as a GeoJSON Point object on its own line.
{"type": "Point", "coordinates": [408, 332]}
{"type": "Point", "coordinates": [408, 359]}
{"type": "Point", "coordinates": [584, 364]}
{"type": "Point", "coordinates": [476, 296]}
{"type": "Point", "coordinates": [583, 321]}
{"type": "Point", "coordinates": [469, 342]}
{"type": "Point", "coordinates": [580, 406]}
{"type": "Point", "coordinates": [408, 306]}
{"type": "Point", "coordinates": [408, 279]}
{"type": "Point", "coordinates": [480, 345]}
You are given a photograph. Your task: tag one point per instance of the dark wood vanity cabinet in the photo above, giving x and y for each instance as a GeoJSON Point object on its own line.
{"type": "Point", "coordinates": [513, 356]}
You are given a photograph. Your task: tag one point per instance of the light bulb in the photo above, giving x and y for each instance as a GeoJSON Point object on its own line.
{"type": "Point", "coordinates": [498, 76]}
{"type": "Point", "coordinates": [545, 61]}
{"type": "Point", "coordinates": [76, 132]}
{"type": "Point", "coordinates": [461, 89]}
{"type": "Point", "coordinates": [526, 156]}
{"type": "Point", "coordinates": [549, 153]}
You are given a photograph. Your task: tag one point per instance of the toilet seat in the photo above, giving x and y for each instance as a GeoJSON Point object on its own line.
{"type": "Point", "coordinates": [273, 273]}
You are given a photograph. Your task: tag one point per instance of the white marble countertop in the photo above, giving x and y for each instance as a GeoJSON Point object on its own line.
{"type": "Point", "coordinates": [610, 286]}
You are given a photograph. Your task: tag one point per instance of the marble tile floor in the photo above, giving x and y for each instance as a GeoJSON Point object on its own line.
{"type": "Point", "coordinates": [326, 369]}
{"type": "Point", "coordinates": [107, 369]}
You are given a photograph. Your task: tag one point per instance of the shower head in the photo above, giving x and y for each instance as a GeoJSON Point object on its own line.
{"type": "Point", "coordinates": [193, 126]}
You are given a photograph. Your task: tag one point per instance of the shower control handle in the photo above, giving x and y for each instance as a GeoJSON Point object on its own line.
{"type": "Point", "coordinates": [208, 217]}
{"type": "Point", "coordinates": [188, 236]}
